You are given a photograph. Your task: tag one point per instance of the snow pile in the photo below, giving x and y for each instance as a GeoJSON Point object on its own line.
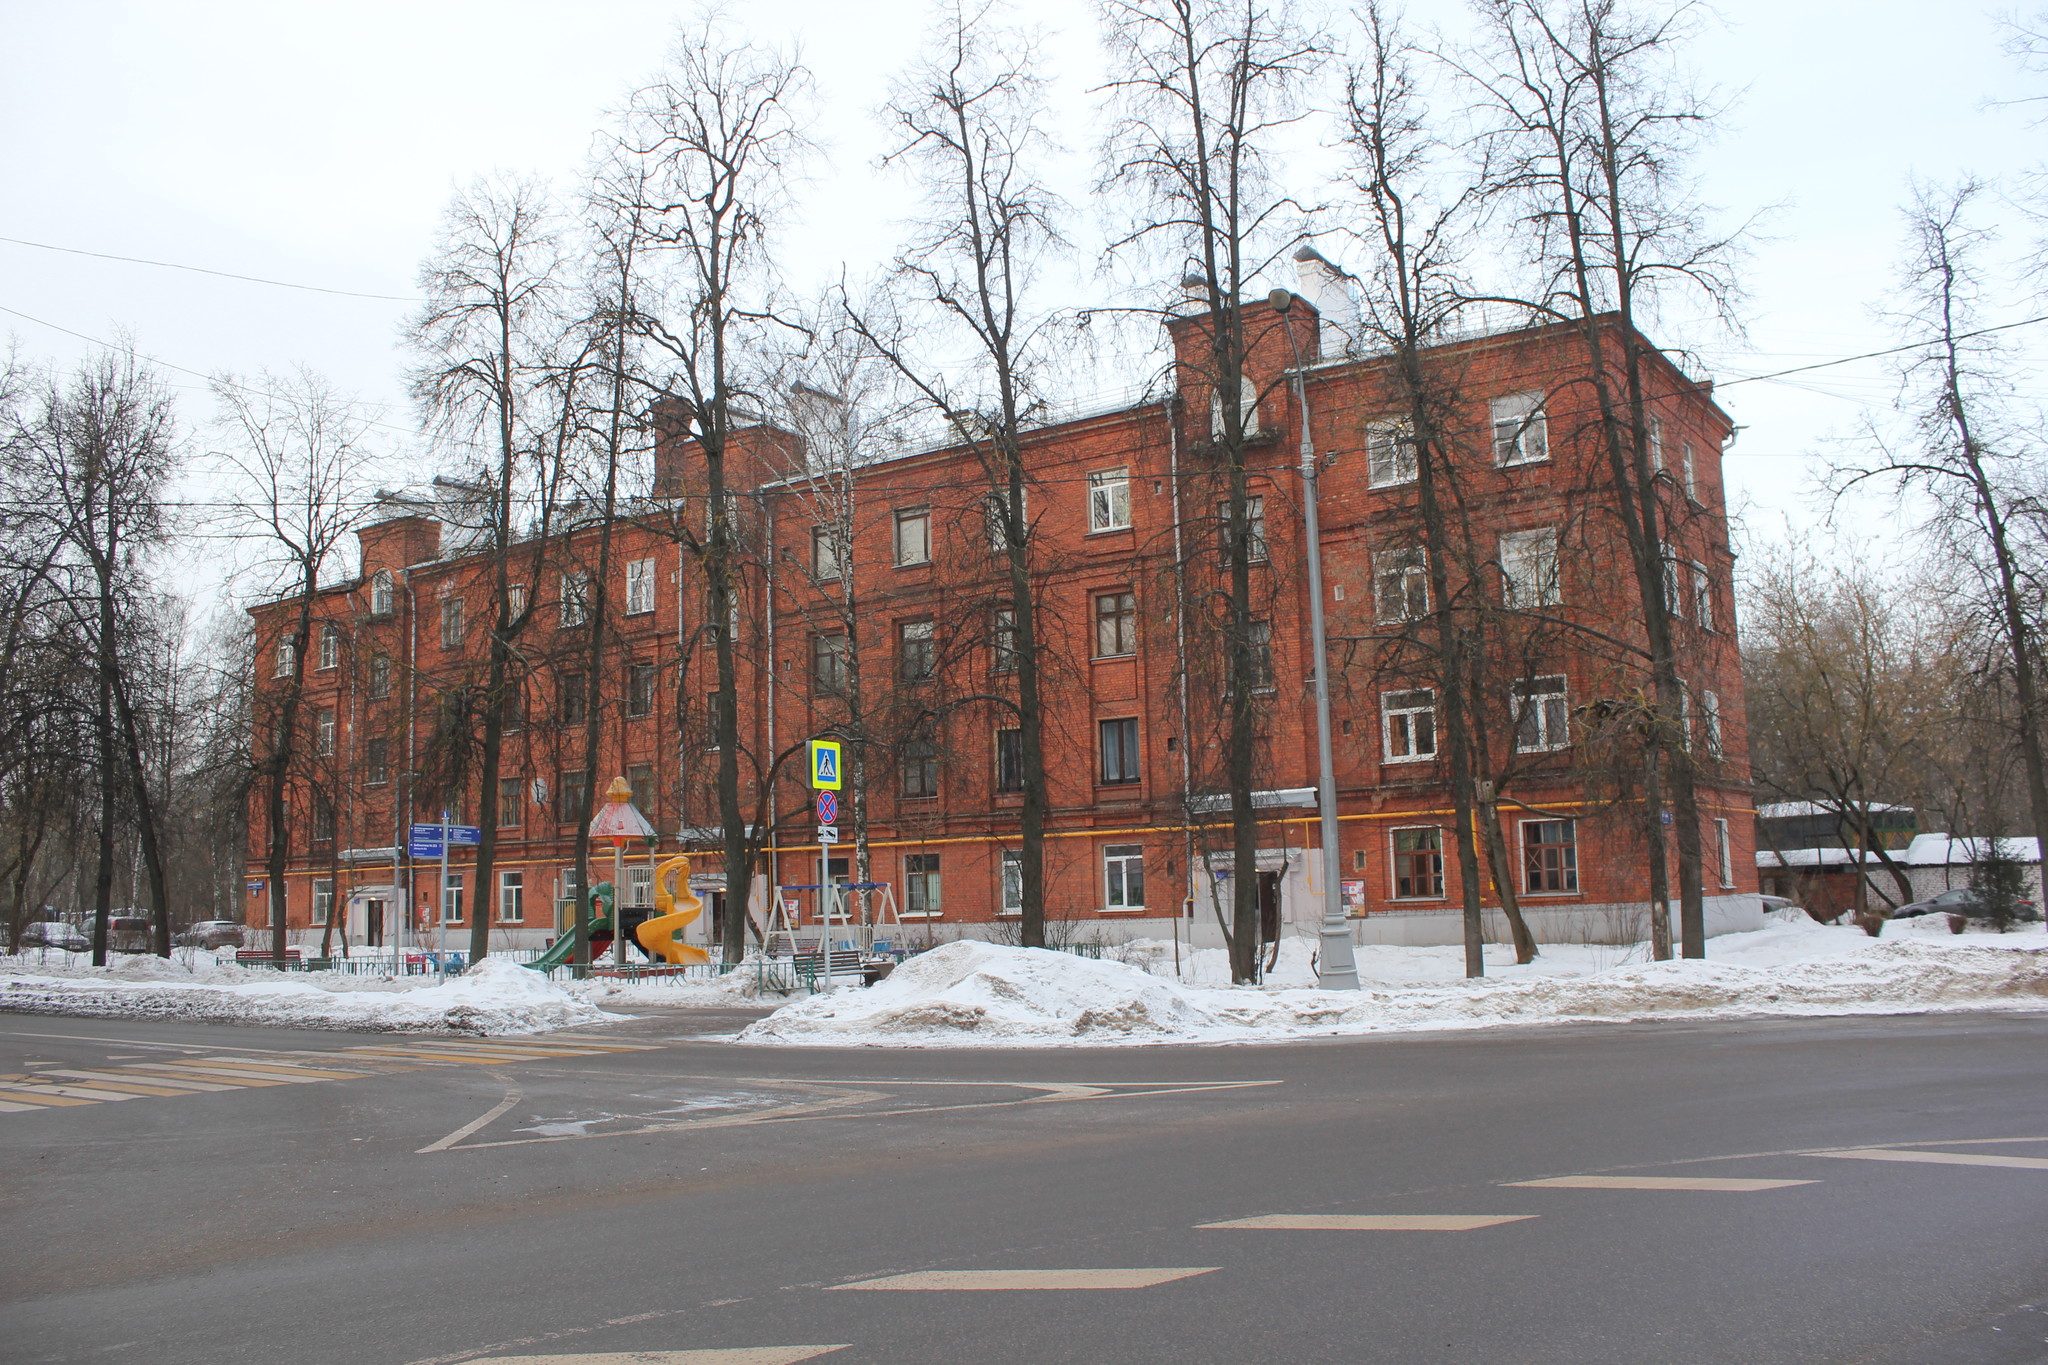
{"type": "Point", "coordinates": [496, 996]}
{"type": "Point", "coordinates": [982, 993]}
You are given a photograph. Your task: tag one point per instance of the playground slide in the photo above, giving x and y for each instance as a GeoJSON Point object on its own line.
{"type": "Point", "coordinates": [562, 949]}
{"type": "Point", "coordinates": [661, 935]}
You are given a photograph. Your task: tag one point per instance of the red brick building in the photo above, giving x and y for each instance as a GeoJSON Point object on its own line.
{"type": "Point", "coordinates": [901, 606]}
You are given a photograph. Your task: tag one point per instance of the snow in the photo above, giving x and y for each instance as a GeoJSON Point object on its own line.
{"type": "Point", "coordinates": [973, 993]}
{"type": "Point", "coordinates": [494, 997]}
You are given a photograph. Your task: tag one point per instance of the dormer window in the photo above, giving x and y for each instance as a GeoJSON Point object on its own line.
{"type": "Point", "coordinates": [383, 597]}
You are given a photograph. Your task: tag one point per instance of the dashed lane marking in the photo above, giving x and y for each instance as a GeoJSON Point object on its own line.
{"type": "Point", "coordinates": [1657, 1182]}
{"type": "Point", "coordinates": [744, 1355]}
{"type": "Point", "coordinates": [1373, 1222]}
{"type": "Point", "coordinates": [1138, 1278]}
{"type": "Point", "coordinates": [2021, 1163]}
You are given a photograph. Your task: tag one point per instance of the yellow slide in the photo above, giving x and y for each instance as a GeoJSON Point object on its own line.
{"type": "Point", "coordinates": [661, 935]}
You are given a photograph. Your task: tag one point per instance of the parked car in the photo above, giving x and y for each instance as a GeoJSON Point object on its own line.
{"type": "Point", "coordinates": [129, 934]}
{"type": "Point", "coordinates": [213, 933]}
{"type": "Point", "coordinates": [1962, 901]}
{"type": "Point", "coordinates": [55, 934]}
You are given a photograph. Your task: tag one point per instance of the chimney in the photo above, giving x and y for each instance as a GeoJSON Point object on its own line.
{"type": "Point", "coordinates": [1329, 289]}
{"type": "Point", "coordinates": [754, 455]}
{"type": "Point", "coordinates": [398, 542]}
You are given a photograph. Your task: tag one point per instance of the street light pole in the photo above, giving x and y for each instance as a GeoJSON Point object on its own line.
{"type": "Point", "coordinates": [1336, 965]}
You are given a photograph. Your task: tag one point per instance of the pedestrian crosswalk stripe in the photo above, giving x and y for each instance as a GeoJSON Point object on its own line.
{"type": "Point", "coordinates": [208, 1073]}
{"type": "Point", "coordinates": [144, 1071]}
{"type": "Point", "coordinates": [743, 1355]}
{"type": "Point", "coordinates": [1373, 1222]}
{"type": "Point", "coordinates": [10, 1107]}
{"type": "Point", "coordinates": [170, 1085]}
{"type": "Point", "coordinates": [76, 1091]}
{"type": "Point", "coordinates": [41, 1097]}
{"type": "Point", "coordinates": [1656, 1182]}
{"type": "Point", "coordinates": [128, 1086]}
{"type": "Point", "coordinates": [2021, 1163]}
{"type": "Point", "coordinates": [265, 1071]}
{"type": "Point", "coordinates": [1136, 1278]}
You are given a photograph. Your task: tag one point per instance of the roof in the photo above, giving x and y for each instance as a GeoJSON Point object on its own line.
{"type": "Point", "coordinates": [1926, 850]}
{"type": "Point", "coordinates": [1787, 810]}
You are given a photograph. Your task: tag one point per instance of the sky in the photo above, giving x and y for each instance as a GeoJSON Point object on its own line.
{"type": "Point", "coordinates": [317, 146]}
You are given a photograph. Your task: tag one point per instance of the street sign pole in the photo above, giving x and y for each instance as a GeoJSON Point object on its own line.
{"type": "Point", "coordinates": [825, 770]}
{"type": "Point", "coordinates": [441, 920]}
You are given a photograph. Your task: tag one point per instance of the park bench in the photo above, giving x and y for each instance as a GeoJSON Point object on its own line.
{"type": "Point", "coordinates": [843, 962]}
{"type": "Point", "coordinates": [261, 957]}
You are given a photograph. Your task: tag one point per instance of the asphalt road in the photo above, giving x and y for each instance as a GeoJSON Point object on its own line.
{"type": "Point", "coordinates": [271, 1195]}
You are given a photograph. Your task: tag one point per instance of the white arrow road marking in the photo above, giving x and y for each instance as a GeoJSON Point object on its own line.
{"type": "Point", "coordinates": [1374, 1222]}
{"type": "Point", "coordinates": [1658, 1182]}
{"type": "Point", "coordinates": [744, 1355]}
{"type": "Point", "coordinates": [2023, 1163]}
{"type": "Point", "coordinates": [512, 1097]}
{"type": "Point", "coordinates": [1141, 1278]}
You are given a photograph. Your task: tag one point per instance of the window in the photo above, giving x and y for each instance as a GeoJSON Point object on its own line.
{"type": "Point", "coordinates": [920, 767]}
{"type": "Point", "coordinates": [1674, 601]}
{"type": "Point", "coordinates": [1401, 584]}
{"type": "Point", "coordinates": [914, 536]}
{"type": "Point", "coordinates": [640, 689]}
{"type": "Point", "coordinates": [451, 898]}
{"type": "Point", "coordinates": [330, 647]}
{"type": "Point", "coordinates": [323, 820]}
{"type": "Point", "coordinates": [829, 661]}
{"type": "Point", "coordinates": [575, 599]}
{"type": "Point", "coordinates": [1390, 456]}
{"type": "Point", "coordinates": [377, 762]}
{"type": "Point", "coordinates": [380, 675]}
{"type": "Point", "coordinates": [512, 710]}
{"type": "Point", "coordinates": [1692, 488]}
{"type": "Point", "coordinates": [1247, 410]}
{"type": "Point", "coordinates": [1528, 568]}
{"type": "Point", "coordinates": [1541, 714]}
{"type": "Point", "coordinates": [1702, 597]}
{"type": "Point", "coordinates": [639, 587]}
{"type": "Point", "coordinates": [515, 600]}
{"type": "Point", "coordinates": [640, 777]}
{"type": "Point", "coordinates": [1116, 624]}
{"type": "Point", "coordinates": [1119, 751]}
{"type": "Point", "coordinates": [1408, 720]}
{"type": "Point", "coordinates": [1259, 645]}
{"type": "Point", "coordinates": [1109, 500]}
{"type": "Point", "coordinates": [996, 510]}
{"type": "Point", "coordinates": [1254, 529]}
{"type": "Point", "coordinates": [323, 731]}
{"type": "Point", "coordinates": [575, 699]}
{"type": "Point", "coordinates": [565, 888]}
{"type": "Point", "coordinates": [1009, 760]}
{"type": "Point", "coordinates": [323, 899]}
{"type": "Point", "coordinates": [511, 895]}
{"type": "Point", "coordinates": [1520, 435]}
{"type": "Point", "coordinates": [1418, 864]}
{"type": "Point", "coordinates": [383, 598]}
{"type": "Point", "coordinates": [569, 808]}
{"type": "Point", "coordinates": [917, 645]}
{"type": "Point", "coordinates": [825, 553]}
{"type": "Point", "coordinates": [511, 802]}
{"type": "Point", "coordinates": [285, 655]}
{"type": "Point", "coordinates": [921, 884]}
{"type": "Point", "coordinates": [1654, 429]}
{"type": "Point", "coordinates": [1003, 641]}
{"type": "Point", "coordinates": [452, 624]}
{"type": "Point", "coordinates": [1684, 716]}
{"type": "Point", "coordinates": [1550, 856]}
{"type": "Point", "coordinates": [1010, 871]}
{"type": "Point", "coordinates": [1710, 723]}
{"type": "Point", "coordinates": [639, 886]}
{"type": "Point", "coordinates": [1724, 848]}
{"type": "Point", "coordinates": [1123, 876]}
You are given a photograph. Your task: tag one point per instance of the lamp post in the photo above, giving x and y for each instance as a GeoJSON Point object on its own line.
{"type": "Point", "coordinates": [1336, 965]}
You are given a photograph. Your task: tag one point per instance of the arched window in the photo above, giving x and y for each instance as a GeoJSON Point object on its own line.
{"type": "Point", "coordinates": [381, 593]}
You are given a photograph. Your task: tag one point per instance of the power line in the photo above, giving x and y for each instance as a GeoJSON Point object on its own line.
{"type": "Point", "coordinates": [202, 270]}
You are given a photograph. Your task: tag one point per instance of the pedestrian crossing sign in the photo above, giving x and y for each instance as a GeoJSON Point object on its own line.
{"type": "Point", "coordinates": [824, 757]}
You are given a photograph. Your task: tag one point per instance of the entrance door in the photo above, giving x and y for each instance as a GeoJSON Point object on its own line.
{"type": "Point", "coordinates": [373, 924]}
{"type": "Point", "coordinates": [1269, 907]}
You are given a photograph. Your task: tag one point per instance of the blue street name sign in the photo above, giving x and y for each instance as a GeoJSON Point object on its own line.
{"type": "Point", "coordinates": [424, 842]}
{"type": "Point", "coordinates": [464, 834]}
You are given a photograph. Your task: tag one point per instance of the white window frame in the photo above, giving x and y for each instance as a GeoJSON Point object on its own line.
{"type": "Point", "coordinates": [1552, 712]}
{"type": "Point", "coordinates": [1247, 409]}
{"type": "Point", "coordinates": [451, 898]}
{"type": "Point", "coordinates": [1390, 455]}
{"type": "Point", "coordinates": [453, 615]}
{"type": "Point", "coordinates": [285, 655]}
{"type": "Point", "coordinates": [1521, 430]}
{"type": "Point", "coordinates": [515, 600]}
{"type": "Point", "coordinates": [1674, 600]}
{"type": "Point", "coordinates": [380, 676]}
{"type": "Point", "coordinates": [1390, 713]}
{"type": "Point", "coordinates": [1009, 882]}
{"type": "Point", "coordinates": [825, 566]}
{"type": "Point", "coordinates": [1702, 596]}
{"type": "Point", "coordinates": [1710, 723]}
{"type": "Point", "coordinates": [1529, 558]}
{"type": "Point", "coordinates": [1109, 500]}
{"type": "Point", "coordinates": [1003, 641]}
{"type": "Point", "coordinates": [1653, 427]}
{"type": "Point", "coordinates": [575, 599]}
{"type": "Point", "coordinates": [330, 647]}
{"type": "Point", "coordinates": [511, 895]}
{"type": "Point", "coordinates": [325, 724]}
{"type": "Point", "coordinates": [1692, 488]}
{"type": "Point", "coordinates": [1118, 862]}
{"type": "Point", "coordinates": [1400, 580]}
{"type": "Point", "coordinates": [1570, 872]}
{"type": "Point", "coordinates": [1394, 863]}
{"type": "Point", "coordinates": [383, 593]}
{"type": "Point", "coordinates": [323, 900]}
{"type": "Point", "coordinates": [922, 899]}
{"type": "Point", "coordinates": [1724, 848]}
{"type": "Point", "coordinates": [639, 586]}
{"type": "Point", "coordinates": [913, 549]}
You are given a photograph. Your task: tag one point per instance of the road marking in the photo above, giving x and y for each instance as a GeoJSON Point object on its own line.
{"type": "Point", "coordinates": [41, 1097]}
{"type": "Point", "coordinates": [100, 1080]}
{"type": "Point", "coordinates": [76, 1091]}
{"type": "Point", "coordinates": [1142, 1278]}
{"type": "Point", "coordinates": [10, 1107]}
{"type": "Point", "coordinates": [511, 1098]}
{"type": "Point", "coordinates": [2023, 1163]}
{"type": "Point", "coordinates": [1656, 1182]}
{"type": "Point", "coordinates": [1374, 1222]}
{"type": "Point", "coordinates": [201, 1072]}
{"type": "Point", "coordinates": [281, 1070]}
{"type": "Point", "coordinates": [743, 1355]}
{"type": "Point", "coordinates": [179, 1085]}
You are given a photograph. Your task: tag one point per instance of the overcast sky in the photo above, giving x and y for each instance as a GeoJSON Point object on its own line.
{"type": "Point", "coordinates": [318, 144]}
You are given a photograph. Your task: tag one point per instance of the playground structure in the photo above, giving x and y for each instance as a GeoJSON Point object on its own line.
{"type": "Point", "coordinates": [783, 936]}
{"type": "Point", "coordinates": [563, 948]}
{"type": "Point", "coordinates": [662, 934]}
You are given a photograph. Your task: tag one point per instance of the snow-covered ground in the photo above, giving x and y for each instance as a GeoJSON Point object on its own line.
{"type": "Point", "coordinates": [970, 993]}
{"type": "Point", "coordinates": [498, 997]}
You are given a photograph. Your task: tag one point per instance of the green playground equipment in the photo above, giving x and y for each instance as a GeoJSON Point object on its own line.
{"type": "Point", "coordinates": [562, 949]}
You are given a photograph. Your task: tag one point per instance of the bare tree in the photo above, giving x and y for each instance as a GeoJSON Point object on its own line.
{"type": "Point", "coordinates": [1203, 90]}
